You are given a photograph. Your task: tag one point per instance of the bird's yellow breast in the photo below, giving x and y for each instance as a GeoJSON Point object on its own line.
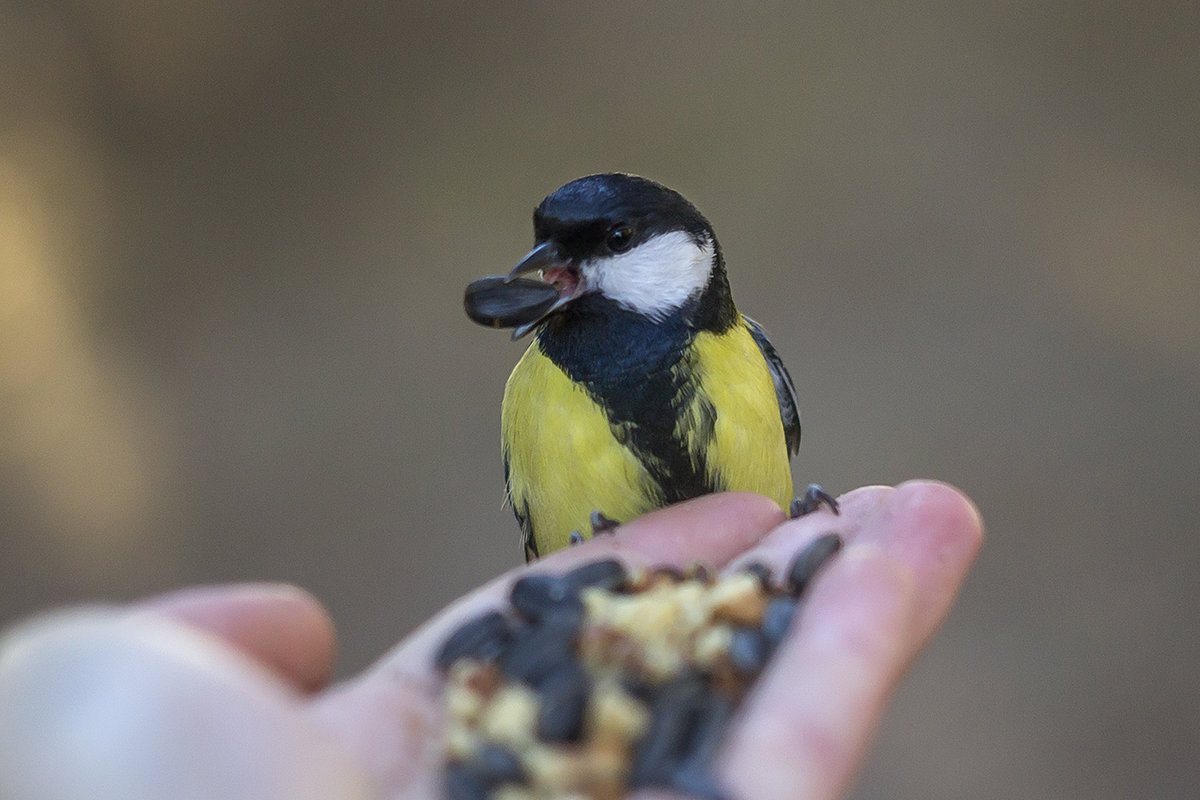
{"type": "Point", "coordinates": [566, 458]}
{"type": "Point", "coordinates": [747, 451]}
{"type": "Point", "coordinates": [563, 460]}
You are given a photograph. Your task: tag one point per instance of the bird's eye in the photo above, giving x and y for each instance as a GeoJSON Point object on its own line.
{"type": "Point", "coordinates": [620, 238]}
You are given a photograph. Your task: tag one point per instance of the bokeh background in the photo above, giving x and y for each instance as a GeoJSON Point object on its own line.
{"type": "Point", "coordinates": [234, 238]}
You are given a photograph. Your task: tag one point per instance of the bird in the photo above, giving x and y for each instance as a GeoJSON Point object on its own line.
{"type": "Point", "coordinates": [643, 385]}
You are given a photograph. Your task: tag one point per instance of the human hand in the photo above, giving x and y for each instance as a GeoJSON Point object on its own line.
{"type": "Point", "coordinates": [217, 693]}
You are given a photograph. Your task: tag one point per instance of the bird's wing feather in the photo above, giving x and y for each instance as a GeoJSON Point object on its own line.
{"type": "Point", "coordinates": [785, 391]}
{"type": "Point", "coordinates": [522, 515]}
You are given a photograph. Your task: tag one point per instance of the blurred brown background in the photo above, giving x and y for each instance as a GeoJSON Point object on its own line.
{"type": "Point", "coordinates": [234, 238]}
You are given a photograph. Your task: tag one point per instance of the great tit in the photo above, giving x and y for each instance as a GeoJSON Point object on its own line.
{"type": "Point", "coordinates": [644, 385]}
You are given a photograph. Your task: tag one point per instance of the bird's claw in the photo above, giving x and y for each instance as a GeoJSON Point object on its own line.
{"type": "Point", "coordinates": [600, 524]}
{"type": "Point", "coordinates": [813, 498]}
{"type": "Point", "coordinates": [603, 524]}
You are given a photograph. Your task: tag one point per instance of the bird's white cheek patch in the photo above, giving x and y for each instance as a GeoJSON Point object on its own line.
{"type": "Point", "coordinates": [654, 278]}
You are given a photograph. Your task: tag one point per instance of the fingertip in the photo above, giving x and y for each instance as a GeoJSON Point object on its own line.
{"type": "Point", "coordinates": [943, 507]}
{"type": "Point", "coordinates": [862, 503]}
{"type": "Point", "coordinates": [936, 531]}
{"type": "Point", "coordinates": [280, 625]}
{"type": "Point", "coordinates": [869, 495]}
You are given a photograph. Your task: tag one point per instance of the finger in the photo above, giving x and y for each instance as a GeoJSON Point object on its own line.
{"type": "Point", "coordinates": [806, 725]}
{"type": "Point", "coordinates": [281, 626]}
{"type": "Point", "coordinates": [112, 706]}
{"type": "Point", "coordinates": [934, 531]}
{"type": "Point", "coordinates": [928, 527]}
{"type": "Point", "coordinates": [710, 529]}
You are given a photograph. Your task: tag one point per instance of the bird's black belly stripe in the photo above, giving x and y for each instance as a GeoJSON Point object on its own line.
{"type": "Point", "coordinates": [637, 370]}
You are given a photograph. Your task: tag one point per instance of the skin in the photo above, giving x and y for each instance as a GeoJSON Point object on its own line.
{"type": "Point", "coordinates": [253, 662]}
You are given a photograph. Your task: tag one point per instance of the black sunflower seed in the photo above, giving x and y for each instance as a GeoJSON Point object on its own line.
{"type": "Point", "coordinates": [748, 652]}
{"type": "Point", "coordinates": [494, 764]}
{"type": "Point", "coordinates": [777, 618]}
{"type": "Point", "coordinates": [562, 699]}
{"type": "Point", "coordinates": [708, 730]}
{"type": "Point", "coordinates": [484, 638]}
{"type": "Point", "coordinates": [638, 687]}
{"type": "Point", "coordinates": [810, 560]}
{"type": "Point", "coordinates": [535, 596]}
{"type": "Point", "coordinates": [671, 715]}
{"type": "Point", "coordinates": [760, 571]}
{"type": "Point", "coordinates": [462, 784]}
{"type": "Point", "coordinates": [608, 574]}
{"type": "Point", "coordinates": [538, 650]}
{"type": "Point", "coordinates": [697, 784]}
{"type": "Point", "coordinates": [502, 302]}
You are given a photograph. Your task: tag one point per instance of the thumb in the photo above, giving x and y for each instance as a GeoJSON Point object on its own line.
{"type": "Point", "coordinates": [101, 704]}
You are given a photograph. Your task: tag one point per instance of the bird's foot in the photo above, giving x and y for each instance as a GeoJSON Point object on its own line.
{"type": "Point", "coordinates": [603, 524]}
{"type": "Point", "coordinates": [813, 498]}
{"type": "Point", "coordinates": [600, 524]}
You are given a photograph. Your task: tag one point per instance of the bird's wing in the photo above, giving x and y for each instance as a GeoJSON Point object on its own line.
{"type": "Point", "coordinates": [522, 515]}
{"type": "Point", "coordinates": [785, 391]}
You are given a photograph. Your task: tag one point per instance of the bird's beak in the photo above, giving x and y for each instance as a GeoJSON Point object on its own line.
{"type": "Point", "coordinates": [519, 303]}
{"type": "Point", "coordinates": [546, 256]}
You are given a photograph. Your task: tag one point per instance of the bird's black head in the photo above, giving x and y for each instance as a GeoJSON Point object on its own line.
{"type": "Point", "coordinates": [613, 241]}
{"type": "Point", "coordinates": [609, 214]}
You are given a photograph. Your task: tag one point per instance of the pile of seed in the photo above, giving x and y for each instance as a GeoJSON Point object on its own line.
{"type": "Point", "coordinates": [604, 680]}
